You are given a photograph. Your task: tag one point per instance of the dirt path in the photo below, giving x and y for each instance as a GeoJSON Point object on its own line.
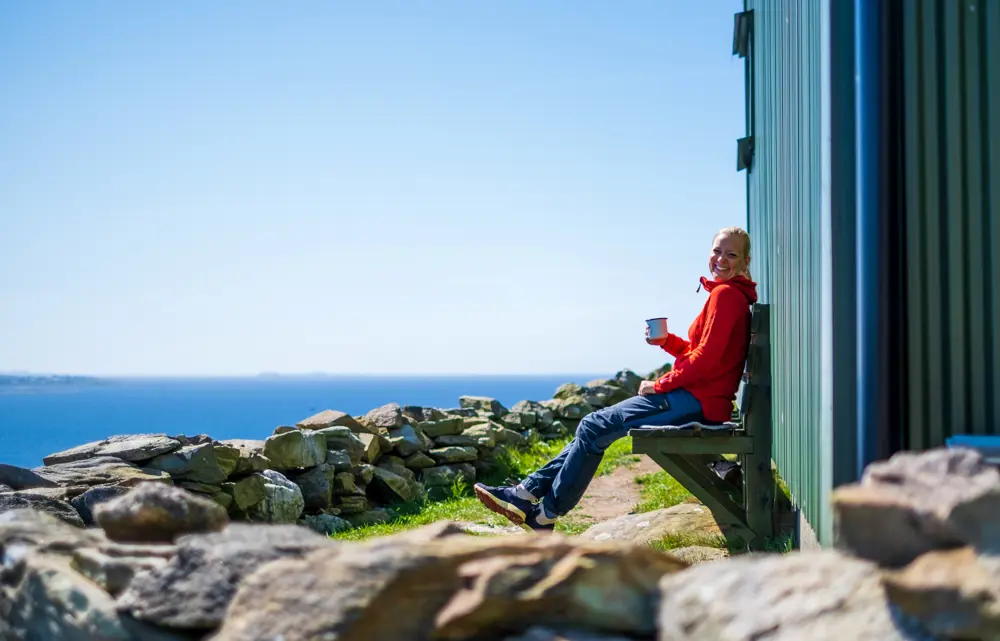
{"type": "Point", "coordinates": [612, 495]}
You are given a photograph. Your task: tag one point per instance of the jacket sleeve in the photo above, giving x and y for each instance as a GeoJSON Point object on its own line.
{"type": "Point", "coordinates": [675, 345]}
{"type": "Point", "coordinates": [726, 309]}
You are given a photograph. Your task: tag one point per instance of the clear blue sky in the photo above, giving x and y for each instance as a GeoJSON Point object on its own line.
{"type": "Point", "coordinates": [218, 188]}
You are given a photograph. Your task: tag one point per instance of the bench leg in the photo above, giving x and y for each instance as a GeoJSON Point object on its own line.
{"type": "Point", "coordinates": [705, 485]}
{"type": "Point", "coordinates": [758, 480]}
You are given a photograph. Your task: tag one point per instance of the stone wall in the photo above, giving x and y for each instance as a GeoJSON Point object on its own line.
{"type": "Point", "coordinates": [916, 559]}
{"type": "Point", "coordinates": [329, 471]}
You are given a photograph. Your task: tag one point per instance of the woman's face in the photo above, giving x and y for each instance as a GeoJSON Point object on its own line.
{"type": "Point", "coordinates": [727, 259]}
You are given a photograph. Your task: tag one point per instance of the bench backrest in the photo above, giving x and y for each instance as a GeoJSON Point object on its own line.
{"type": "Point", "coordinates": [757, 371]}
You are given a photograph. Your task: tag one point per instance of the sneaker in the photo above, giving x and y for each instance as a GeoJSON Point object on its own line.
{"type": "Point", "coordinates": [531, 523]}
{"type": "Point", "coordinates": [504, 501]}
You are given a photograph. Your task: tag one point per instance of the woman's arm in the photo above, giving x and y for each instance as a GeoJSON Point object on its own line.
{"type": "Point", "coordinates": [675, 345]}
{"type": "Point", "coordinates": [726, 309]}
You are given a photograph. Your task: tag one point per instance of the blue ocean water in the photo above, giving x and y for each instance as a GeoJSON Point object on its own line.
{"type": "Point", "coordinates": [34, 424]}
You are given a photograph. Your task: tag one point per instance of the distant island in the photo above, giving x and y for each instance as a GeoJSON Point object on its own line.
{"type": "Point", "coordinates": [12, 383]}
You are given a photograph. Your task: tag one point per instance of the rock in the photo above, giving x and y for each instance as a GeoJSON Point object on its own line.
{"type": "Point", "coordinates": [317, 487]}
{"type": "Point", "coordinates": [199, 488]}
{"type": "Point", "coordinates": [19, 478]}
{"type": "Point", "coordinates": [568, 390]}
{"type": "Point", "coordinates": [25, 500]}
{"type": "Point", "coordinates": [543, 415]}
{"type": "Point", "coordinates": [389, 416]}
{"type": "Point", "coordinates": [453, 454]}
{"type": "Point", "coordinates": [365, 473]}
{"type": "Point", "coordinates": [329, 418]}
{"type": "Point", "coordinates": [627, 380]}
{"type": "Point", "coordinates": [295, 450]}
{"type": "Point", "coordinates": [158, 513]}
{"type": "Point", "coordinates": [283, 429]}
{"type": "Point", "coordinates": [53, 601]}
{"type": "Point", "coordinates": [283, 501]}
{"type": "Point", "coordinates": [197, 439]}
{"type": "Point", "coordinates": [191, 463]}
{"type": "Point", "coordinates": [442, 426]}
{"type": "Point", "coordinates": [194, 589]}
{"type": "Point", "coordinates": [343, 484]}
{"type": "Point", "coordinates": [23, 530]}
{"type": "Point", "coordinates": [388, 487]}
{"type": "Point", "coordinates": [518, 421]}
{"type": "Point", "coordinates": [483, 404]}
{"type": "Point", "coordinates": [342, 439]}
{"type": "Point", "coordinates": [339, 460]}
{"type": "Point", "coordinates": [89, 500]}
{"type": "Point", "coordinates": [248, 491]}
{"type": "Point", "coordinates": [326, 524]}
{"type": "Point", "coordinates": [397, 466]}
{"type": "Point", "coordinates": [572, 407]}
{"type": "Point", "coordinates": [699, 554]}
{"type": "Point", "coordinates": [445, 475]}
{"type": "Point", "coordinates": [954, 593]}
{"type": "Point", "coordinates": [462, 440]}
{"type": "Point", "coordinates": [408, 440]}
{"type": "Point", "coordinates": [918, 502]}
{"type": "Point", "coordinates": [369, 517]}
{"type": "Point", "coordinates": [460, 411]}
{"type": "Point", "coordinates": [689, 519]}
{"type": "Point", "coordinates": [445, 585]}
{"type": "Point", "coordinates": [484, 434]}
{"type": "Point", "coordinates": [421, 414]}
{"type": "Point", "coordinates": [113, 573]}
{"type": "Point", "coordinates": [605, 395]}
{"type": "Point", "coordinates": [419, 461]}
{"type": "Point", "coordinates": [228, 458]}
{"type": "Point", "coordinates": [372, 448]}
{"type": "Point", "coordinates": [5, 488]}
{"type": "Point", "coordinates": [129, 447]}
{"type": "Point", "coordinates": [820, 596]}
{"type": "Point", "coordinates": [352, 505]}
{"type": "Point", "coordinates": [102, 470]}
{"type": "Point", "coordinates": [251, 456]}
{"type": "Point", "coordinates": [508, 437]}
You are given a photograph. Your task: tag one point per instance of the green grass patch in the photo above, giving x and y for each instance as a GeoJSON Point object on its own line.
{"type": "Point", "coordinates": [689, 539]}
{"type": "Point", "coordinates": [619, 454]}
{"type": "Point", "coordinates": [659, 490]}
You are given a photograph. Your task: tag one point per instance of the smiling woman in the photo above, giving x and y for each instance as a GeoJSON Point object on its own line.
{"type": "Point", "coordinates": [701, 386]}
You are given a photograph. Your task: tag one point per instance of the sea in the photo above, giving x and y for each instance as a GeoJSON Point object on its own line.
{"type": "Point", "coordinates": [35, 422]}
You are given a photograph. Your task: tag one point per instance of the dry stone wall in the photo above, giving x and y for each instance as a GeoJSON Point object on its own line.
{"type": "Point", "coordinates": [330, 471]}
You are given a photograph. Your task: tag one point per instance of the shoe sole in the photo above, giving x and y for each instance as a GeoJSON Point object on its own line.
{"type": "Point", "coordinates": [501, 507]}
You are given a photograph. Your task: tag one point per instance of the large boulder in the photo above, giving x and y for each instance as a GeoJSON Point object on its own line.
{"type": "Point", "coordinates": [330, 418]}
{"type": "Point", "coordinates": [389, 487]}
{"type": "Point", "coordinates": [196, 463]}
{"type": "Point", "coordinates": [914, 503]}
{"type": "Point", "coordinates": [19, 478]}
{"type": "Point", "coordinates": [86, 503]}
{"type": "Point", "coordinates": [282, 503]}
{"type": "Point", "coordinates": [446, 475]}
{"type": "Point", "coordinates": [341, 439]}
{"type": "Point", "coordinates": [483, 405]}
{"type": "Point", "coordinates": [194, 589]}
{"type": "Point", "coordinates": [689, 519]}
{"type": "Point", "coordinates": [317, 487]}
{"type": "Point", "coordinates": [158, 513]}
{"type": "Point", "coordinates": [409, 440]}
{"type": "Point", "coordinates": [128, 447]}
{"type": "Point", "coordinates": [387, 417]}
{"type": "Point", "coordinates": [446, 585]}
{"type": "Point", "coordinates": [25, 500]}
{"type": "Point", "coordinates": [627, 380]}
{"type": "Point", "coordinates": [251, 456]}
{"type": "Point", "coordinates": [443, 426]}
{"type": "Point", "coordinates": [453, 454]}
{"type": "Point", "coordinates": [295, 450]}
{"type": "Point", "coordinates": [101, 470]}
{"type": "Point", "coordinates": [372, 448]}
{"type": "Point", "coordinates": [819, 596]}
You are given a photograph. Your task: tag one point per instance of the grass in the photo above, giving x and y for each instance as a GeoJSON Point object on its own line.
{"type": "Point", "coordinates": [659, 490]}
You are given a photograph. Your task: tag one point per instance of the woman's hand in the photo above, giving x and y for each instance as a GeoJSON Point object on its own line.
{"type": "Point", "coordinates": [647, 388]}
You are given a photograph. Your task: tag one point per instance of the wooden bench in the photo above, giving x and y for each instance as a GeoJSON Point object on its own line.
{"type": "Point", "coordinates": [686, 451]}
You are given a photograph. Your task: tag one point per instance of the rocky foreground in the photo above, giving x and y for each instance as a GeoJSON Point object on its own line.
{"type": "Point", "coordinates": [917, 539]}
{"type": "Point", "coordinates": [330, 471]}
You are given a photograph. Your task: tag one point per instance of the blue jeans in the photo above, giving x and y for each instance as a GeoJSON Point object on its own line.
{"type": "Point", "coordinates": [563, 480]}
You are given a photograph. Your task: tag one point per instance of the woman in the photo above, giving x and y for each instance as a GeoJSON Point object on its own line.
{"type": "Point", "coordinates": [701, 387]}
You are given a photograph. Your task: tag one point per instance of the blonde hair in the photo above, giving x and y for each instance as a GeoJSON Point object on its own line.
{"type": "Point", "coordinates": [744, 236]}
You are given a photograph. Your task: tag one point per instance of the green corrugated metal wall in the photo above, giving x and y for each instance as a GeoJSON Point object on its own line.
{"type": "Point", "coordinates": [951, 175]}
{"type": "Point", "coordinates": [784, 209]}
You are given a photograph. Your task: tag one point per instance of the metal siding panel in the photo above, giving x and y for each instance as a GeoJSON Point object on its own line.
{"type": "Point", "coordinates": [954, 219]}
{"type": "Point", "coordinates": [991, 188]}
{"type": "Point", "coordinates": [783, 219]}
{"type": "Point", "coordinates": [975, 239]}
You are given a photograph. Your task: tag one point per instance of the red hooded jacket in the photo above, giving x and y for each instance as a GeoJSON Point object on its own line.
{"type": "Point", "coordinates": [711, 363]}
